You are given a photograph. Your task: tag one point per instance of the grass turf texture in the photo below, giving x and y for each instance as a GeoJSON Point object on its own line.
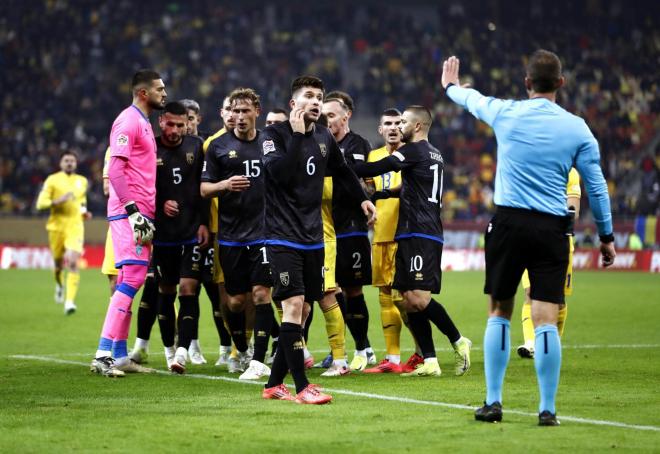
{"type": "Point", "coordinates": [49, 406]}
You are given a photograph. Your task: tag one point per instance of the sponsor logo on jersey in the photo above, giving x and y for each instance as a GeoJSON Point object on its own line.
{"type": "Point", "coordinates": [268, 146]}
{"type": "Point", "coordinates": [122, 140]}
{"type": "Point", "coordinates": [284, 278]}
{"type": "Point", "coordinates": [233, 154]}
{"type": "Point", "coordinates": [324, 149]}
{"type": "Point", "coordinates": [419, 277]}
{"type": "Point", "coordinates": [159, 162]}
{"type": "Point", "coordinates": [190, 157]}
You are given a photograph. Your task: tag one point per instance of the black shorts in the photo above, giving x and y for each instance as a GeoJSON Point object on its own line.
{"type": "Point", "coordinates": [417, 265]}
{"type": "Point", "coordinates": [244, 267]}
{"type": "Point", "coordinates": [207, 264]}
{"type": "Point", "coordinates": [176, 262]}
{"type": "Point", "coordinates": [353, 267]}
{"type": "Point", "coordinates": [518, 239]}
{"type": "Point", "coordinates": [296, 272]}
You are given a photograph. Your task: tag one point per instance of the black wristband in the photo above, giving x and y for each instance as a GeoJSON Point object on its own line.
{"type": "Point", "coordinates": [448, 85]}
{"type": "Point", "coordinates": [131, 208]}
{"type": "Point", "coordinates": [606, 238]}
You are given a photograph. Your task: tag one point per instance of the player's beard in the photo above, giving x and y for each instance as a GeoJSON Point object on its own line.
{"type": "Point", "coordinates": [160, 105]}
{"type": "Point", "coordinates": [406, 137]}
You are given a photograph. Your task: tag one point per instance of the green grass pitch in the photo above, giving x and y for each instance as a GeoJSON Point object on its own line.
{"type": "Point", "coordinates": [608, 396]}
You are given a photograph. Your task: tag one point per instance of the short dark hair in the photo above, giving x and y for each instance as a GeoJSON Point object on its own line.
{"type": "Point", "coordinates": [175, 108]}
{"type": "Point", "coordinates": [245, 94]}
{"type": "Point", "coordinates": [144, 77]}
{"type": "Point", "coordinates": [391, 112]}
{"type": "Point", "coordinates": [306, 81]}
{"type": "Point", "coordinates": [190, 104]}
{"type": "Point", "coordinates": [338, 101]}
{"type": "Point", "coordinates": [422, 112]}
{"type": "Point", "coordinates": [278, 110]}
{"type": "Point", "coordinates": [323, 120]}
{"type": "Point", "coordinates": [345, 97]}
{"type": "Point", "coordinates": [69, 153]}
{"type": "Point", "coordinates": [544, 71]}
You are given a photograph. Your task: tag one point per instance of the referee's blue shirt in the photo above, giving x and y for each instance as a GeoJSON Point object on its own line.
{"type": "Point", "coordinates": [537, 144]}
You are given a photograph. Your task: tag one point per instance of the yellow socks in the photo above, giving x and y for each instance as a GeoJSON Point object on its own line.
{"type": "Point", "coordinates": [335, 327]}
{"type": "Point", "coordinates": [391, 322]}
{"type": "Point", "coordinates": [527, 324]}
{"type": "Point", "coordinates": [561, 319]}
{"type": "Point", "coordinates": [72, 282]}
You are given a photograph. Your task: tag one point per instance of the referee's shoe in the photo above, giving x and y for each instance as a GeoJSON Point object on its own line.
{"type": "Point", "coordinates": [489, 413]}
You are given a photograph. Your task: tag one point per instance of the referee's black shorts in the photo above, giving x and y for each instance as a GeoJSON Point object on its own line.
{"type": "Point", "coordinates": [517, 239]}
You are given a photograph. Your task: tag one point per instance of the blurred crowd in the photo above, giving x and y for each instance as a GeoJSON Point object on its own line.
{"type": "Point", "coordinates": [65, 68]}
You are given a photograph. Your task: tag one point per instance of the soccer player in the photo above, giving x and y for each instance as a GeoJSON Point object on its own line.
{"type": "Point", "coordinates": [573, 194]}
{"type": "Point", "coordinates": [233, 172]}
{"type": "Point", "coordinates": [353, 256]}
{"type": "Point", "coordinates": [384, 249]}
{"type": "Point", "coordinates": [131, 208]}
{"type": "Point", "coordinates": [297, 156]}
{"type": "Point", "coordinates": [276, 115]}
{"type": "Point", "coordinates": [419, 238]}
{"type": "Point", "coordinates": [194, 118]}
{"type": "Point", "coordinates": [181, 233]}
{"type": "Point", "coordinates": [538, 143]}
{"type": "Point", "coordinates": [65, 194]}
{"type": "Point", "coordinates": [220, 313]}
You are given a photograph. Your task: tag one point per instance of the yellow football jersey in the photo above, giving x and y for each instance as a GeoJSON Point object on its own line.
{"type": "Point", "coordinates": [106, 163]}
{"type": "Point", "coordinates": [573, 186]}
{"type": "Point", "coordinates": [213, 215]}
{"type": "Point", "coordinates": [326, 211]}
{"type": "Point", "coordinates": [67, 215]}
{"type": "Point", "coordinates": [388, 209]}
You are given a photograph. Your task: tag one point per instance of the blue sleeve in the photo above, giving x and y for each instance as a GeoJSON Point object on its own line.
{"type": "Point", "coordinates": [484, 108]}
{"type": "Point", "coordinates": [587, 162]}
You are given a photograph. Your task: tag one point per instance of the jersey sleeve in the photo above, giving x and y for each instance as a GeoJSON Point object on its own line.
{"type": "Point", "coordinates": [485, 108]}
{"type": "Point", "coordinates": [45, 198]}
{"type": "Point", "coordinates": [587, 162]}
{"type": "Point", "coordinates": [122, 137]}
{"type": "Point", "coordinates": [361, 152]}
{"type": "Point", "coordinates": [280, 157]}
{"type": "Point", "coordinates": [211, 166]}
{"type": "Point", "coordinates": [343, 174]}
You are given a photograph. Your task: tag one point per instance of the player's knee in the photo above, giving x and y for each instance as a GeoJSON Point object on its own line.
{"type": "Point", "coordinates": [188, 287]}
{"type": "Point", "coordinates": [236, 304]}
{"type": "Point", "coordinates": [134, 275]}
{"type": "Point", "coordinates": [260, 295]}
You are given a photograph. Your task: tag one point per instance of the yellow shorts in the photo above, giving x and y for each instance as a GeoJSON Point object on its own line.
{"type": "Point", "coordinates": [108, 267]}
{"type": "Point", "coordinates": [568, 284]}
{"type": "Point", "coordinates": [218, 275]}
{"type": "Point", "coordinates": [70, 239]}
{"type": "Point", "coordinates": [329, 265]}
{"type": "Point", "coordinates": [382, 263]}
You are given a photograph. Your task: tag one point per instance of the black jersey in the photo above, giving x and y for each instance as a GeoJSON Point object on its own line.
{"type": "Point", "coordinates": [178, 171]}
{"type": "Point", "coordinates": [295, 166]}
{"type": "Point", "coordinates": [348, 217]}
{"type": "Point", "coordinates": [421, 167]}
{"type": "Point", "coordinates": [240, 214]}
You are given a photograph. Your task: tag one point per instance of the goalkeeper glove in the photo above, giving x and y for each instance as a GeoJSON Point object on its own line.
{"type": "Point", "coordinates": [143, 228]}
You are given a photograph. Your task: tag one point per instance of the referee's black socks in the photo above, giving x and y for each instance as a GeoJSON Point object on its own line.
{"type": "Point", "coordinates": [440, 318]}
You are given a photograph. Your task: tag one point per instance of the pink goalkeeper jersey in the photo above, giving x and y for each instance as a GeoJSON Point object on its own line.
{"type": "Point", "coordinates": [132, 137]}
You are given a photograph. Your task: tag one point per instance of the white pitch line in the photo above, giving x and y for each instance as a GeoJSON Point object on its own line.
{"type": "Point", "coordinates": [596, 422]}
{"type": "Point", "coordinates": [446, 349]}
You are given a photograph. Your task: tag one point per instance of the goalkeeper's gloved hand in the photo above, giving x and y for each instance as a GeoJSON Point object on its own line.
{"type": "Point", "coordinates": [143, 228]}
{"type": "Point", "coordinates": [379, 195]}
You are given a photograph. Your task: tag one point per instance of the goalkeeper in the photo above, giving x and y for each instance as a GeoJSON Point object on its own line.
{"type": "Point", "coordinates": [131, 204]}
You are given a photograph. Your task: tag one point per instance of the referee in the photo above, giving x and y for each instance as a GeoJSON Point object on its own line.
{"type": "Point", "coordinates": [538, 143]}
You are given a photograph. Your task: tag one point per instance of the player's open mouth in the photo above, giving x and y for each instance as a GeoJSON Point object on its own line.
{"type": "Point", "coordinates": [315, 111]}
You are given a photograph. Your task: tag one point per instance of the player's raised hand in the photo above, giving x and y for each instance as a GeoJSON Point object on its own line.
{"type": "Point", "coordinates": [450, 69]}
{"type": "Point", "coordinates": [171, 208]}
{"type": "Point", "coordinates": [369, 210]}
{"type": "Point", "coordinates": [237, 183]}
{"type": "Point", "coordinates": [297, 120]}
{"type": "Point", "coordinates": [608, 253]}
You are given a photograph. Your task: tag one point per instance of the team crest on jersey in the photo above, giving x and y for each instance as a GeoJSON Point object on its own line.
{"type": "Point", "coordinates": [324, 149]}
{"type": "Point", "coordinates": [268, 146]}
{"type": "Point", "coordinates": [284, 278]}
{"type": "Point", "coordinates": [190, 158]}
{"type": "Point", "coordinates": [122, 140]}
{"type": "Point", "coordinates": [233, 154]}
{"type": "Point", "coordinates": [138, 249]}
